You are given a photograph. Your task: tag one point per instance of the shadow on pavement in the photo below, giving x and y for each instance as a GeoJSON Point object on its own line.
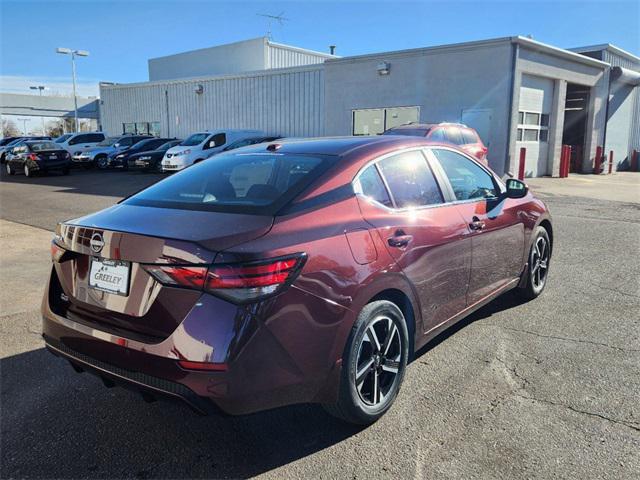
{"type": "Point", "coordinates": [112, 183]}
{"type": "Point", "coordinates": [59, 424]}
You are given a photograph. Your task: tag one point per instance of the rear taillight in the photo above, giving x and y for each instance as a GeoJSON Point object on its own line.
{"type": "Point", "coordinates": [238, 282]}
{"type": "Point", "coordinates": [32, 156]}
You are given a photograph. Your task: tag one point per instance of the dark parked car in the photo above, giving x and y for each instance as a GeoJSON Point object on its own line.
{"type": "Point", "coordinates": [38, 156]}
{"type": "Point", "coordinates": [9, 142]}
{"type": "Point", "coordinates": [120, 159]}
{"type": "Point", "coordinates": [150, 160]}
{"type": "Point", "coordinates": [457, 134]}
{"type": "Point", "coordinates": [308, 271]}
{"type": "Point", "coordinates": [140, 143]}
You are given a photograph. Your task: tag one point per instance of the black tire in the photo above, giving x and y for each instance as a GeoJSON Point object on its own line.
{"type": "Point", "coordinates": [101, 162]}
{"type": "Point", "coordinates": [198, 160]}
{"type": "Point", "coordinates": [537, 271]}
{"type": "Point", "coordinates": [10, 170]}
{"type": "Point", "coordinates": [364, 401]}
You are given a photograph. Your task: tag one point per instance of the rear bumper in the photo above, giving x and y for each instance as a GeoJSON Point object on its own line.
{"type": "Point", "coordinates": [266, 367]}
{"type": "Point", "coordinates": [45, 166]}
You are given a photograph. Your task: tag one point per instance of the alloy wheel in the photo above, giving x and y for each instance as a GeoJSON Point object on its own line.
{"type": "Point", "coordinates": [539, 262]}
{"type": "Point", "coordinates": [378, 361]}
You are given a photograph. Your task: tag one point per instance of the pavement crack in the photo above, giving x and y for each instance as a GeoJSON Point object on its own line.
{"type": "Point", "coordinates": [581, 412]}
{"type": "Point", "coordinates": [616, 291]}
{"type": "Point", "coordinates": [565, 339]}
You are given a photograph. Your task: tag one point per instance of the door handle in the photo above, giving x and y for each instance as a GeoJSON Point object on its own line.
{"type": "Point", "coordinates": [400, 239]}
{"type": "Point", "coordinates": [477, 224]}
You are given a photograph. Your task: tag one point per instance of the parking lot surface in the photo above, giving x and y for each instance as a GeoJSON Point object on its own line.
{"type": "Point", "coordinates": [546, 389]}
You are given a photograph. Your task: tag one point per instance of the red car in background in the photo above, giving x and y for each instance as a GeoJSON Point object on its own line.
{"type": "Point", "coordinates": [465, 138]}
{"type": "Point", "coordinates": [297, 271]}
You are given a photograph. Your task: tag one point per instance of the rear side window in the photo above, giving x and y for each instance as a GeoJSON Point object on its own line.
{"type": "Point", "coordinates": [468, 136]}
{"type": "Point", "coordinates": [236, 182]}
{"type": "Point", "coordinates": [410, 180]}
{"type": "Point", "coordinates": [468, 179]}
{"type": "Point", "coordinates": [370, 185]}
{"type": "Point", "coordinates": [94, 137]}
{"type": "Point", "coordinates": [41, 146]}
{"type": "Point", "coordinates": [454, 135]}
{"type": "Point", "coordinates": [217, 140]}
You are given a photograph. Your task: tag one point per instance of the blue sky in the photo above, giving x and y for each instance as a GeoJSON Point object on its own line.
{"type": "Point", "coordinates": [122, 35]}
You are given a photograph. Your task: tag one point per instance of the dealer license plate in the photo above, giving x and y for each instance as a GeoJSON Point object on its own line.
{"type": "Point", "coordinates": [110, 275]}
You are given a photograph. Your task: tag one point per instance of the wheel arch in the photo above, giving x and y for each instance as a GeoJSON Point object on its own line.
{"type": "Point", "coordinates": [546, 224]}
{"type": "Point", "coordinates": [404, 303]}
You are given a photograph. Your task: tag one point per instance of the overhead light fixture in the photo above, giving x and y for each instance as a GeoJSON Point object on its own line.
{"type": "Point", "coordinates": [384, 68]}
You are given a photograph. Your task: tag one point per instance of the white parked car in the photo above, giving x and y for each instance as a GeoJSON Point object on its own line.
{"type": "Point", "coordinates": [200, 146]}
{"type": "Point", "coordinates": [77, 143]}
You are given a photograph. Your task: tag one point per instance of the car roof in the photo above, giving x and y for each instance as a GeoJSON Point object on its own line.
{"type": "Point", "coordinates": [339, 146]}
{"type": "Point", "coordinates": [414, 126]}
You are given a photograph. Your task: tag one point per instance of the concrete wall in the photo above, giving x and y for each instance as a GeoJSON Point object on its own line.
{"type": "Point", "coordinates": [47, 106]}
{"type": "Point", "coordinates": [288, 102]}
{"type": "Point", "coordinates": [443, 82]}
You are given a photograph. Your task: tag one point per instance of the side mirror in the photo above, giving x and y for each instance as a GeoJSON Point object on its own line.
{"type": "Point", "coordinates": [516, 188]}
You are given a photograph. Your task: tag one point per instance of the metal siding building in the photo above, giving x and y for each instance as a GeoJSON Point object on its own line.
{"type": "Point", "coordinates": [240, 57]}
{"type": "Point", "coordinates": [516, 92]}
{"type": "Point", "coordinates": [287, 102]}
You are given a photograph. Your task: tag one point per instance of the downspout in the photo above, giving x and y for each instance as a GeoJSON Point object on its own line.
{"type": "Point", "coordinates": [606, 117]}
{"type": "Point", "coordinates": [514, 59]}
{"type": "Point", "coordinates": [166, 102]}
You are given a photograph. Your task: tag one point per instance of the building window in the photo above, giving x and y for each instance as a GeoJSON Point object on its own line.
{"type": "Point", "coordinates": [533, 127]}
{"type": "Point", "coordinates": [374, 121]}
{"type": "Point", "coordinates": [142, 128]}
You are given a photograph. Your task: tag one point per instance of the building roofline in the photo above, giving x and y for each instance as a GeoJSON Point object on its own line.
{"type": "Point", "coordinates": [248, 40]}
{"type": "Point", "coordinates": [561, 52]}
{"type": "Point", "coordinates": [301, 50]}
{"type": "Point", "coordinates": [225, 76]}
{"type": "Point", "coordinates": [527, 42]}
{"type": "Point", "coordinates": [607, 46]}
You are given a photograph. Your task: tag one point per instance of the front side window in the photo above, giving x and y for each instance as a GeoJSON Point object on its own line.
{"type": "Point", "coordinates": [468, 179]}
{"type": "Point", "coordinates": [195, 139]}
{"type": "Point", "coordinates": [94, 137]}
{"type": "Point", "coordinates": [217, 140]}
{"type": "Point", "coordinates": [62, 138]}
{"type": "Point", "coordinates": [236, 182]}
{"type": "Point", "coordinates": [107, 142]}
{"type": "Point", "coordinates": [370, 185]}
{"type": "Point", "coordinates": [410, 180]}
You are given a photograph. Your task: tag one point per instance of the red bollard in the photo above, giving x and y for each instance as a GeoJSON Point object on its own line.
{"type": "Point", "coordinates": [634, 161]}
{"type": "Point", "coordinates": [563, 153]}
{"type": "Point", "coordinates": [523, 156]}
{"type": "Point", "coordinates": [567, 162]}
{"type": "Point", "coordinates": [596, 168]}
{"type": "Point", "coordinates": [610, 161]}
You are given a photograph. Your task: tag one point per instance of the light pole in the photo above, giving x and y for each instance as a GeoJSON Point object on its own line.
{"type": "Point", "coordinates": [24, 125]}
{"type": "Point", "coordinates": [40, 88]}
{"type": "Point", "coordinates": [73, 53]}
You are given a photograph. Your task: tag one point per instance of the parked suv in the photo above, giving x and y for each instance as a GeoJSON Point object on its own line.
{"type": "Point", "coordinates": [457, 134]}
{"type": "Point", "coordinates": [76, 143]}
{"type": "Point", "coordinates": [289, 272]}
{"type": "Point", "coordinates": [200, 146]}
{"type": "Point", "coordinates": [98, 154]}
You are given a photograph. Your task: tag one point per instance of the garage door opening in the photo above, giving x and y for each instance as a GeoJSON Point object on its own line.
{"type": "Point", "coordinates": [574, 132]}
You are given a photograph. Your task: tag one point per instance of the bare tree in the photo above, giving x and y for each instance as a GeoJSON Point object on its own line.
{"type": "Point", "coordinates": [9, 128]}
{"type": "Point", "coordinates": [54, 128]}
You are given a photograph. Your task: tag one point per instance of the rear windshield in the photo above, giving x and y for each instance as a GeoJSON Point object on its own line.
{"type": "Point", "coordinates": [62, 138]}
{"type": "Point", "coordinates": [249, 183]}
{"type": "Point", "coordinates": [107, 142]}
{"type": "Point", "coordinates": [41, 146]}
{"type": "Point", "coordinates": [409, 132]}
{"type": "Point", "coordinates": [195, 139]}
{"type": "Point", "coordinates": [168, 145]}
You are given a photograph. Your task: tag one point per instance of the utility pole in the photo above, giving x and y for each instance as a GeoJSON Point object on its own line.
{"type": "Point", "coordinates": [40, 88]}
{"type": "Point", "coordinates": [73, 53]}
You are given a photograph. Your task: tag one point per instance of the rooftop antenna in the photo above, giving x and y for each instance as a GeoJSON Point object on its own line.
{"type": "Point", "coordinates": [270, 19]}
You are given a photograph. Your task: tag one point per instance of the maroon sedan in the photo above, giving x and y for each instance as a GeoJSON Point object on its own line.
{"type": "Point", "coordinates": [302, 271]}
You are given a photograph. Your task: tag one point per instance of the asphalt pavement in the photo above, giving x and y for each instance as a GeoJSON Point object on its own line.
{"type": "Point", "coordinates": [545, 389]}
